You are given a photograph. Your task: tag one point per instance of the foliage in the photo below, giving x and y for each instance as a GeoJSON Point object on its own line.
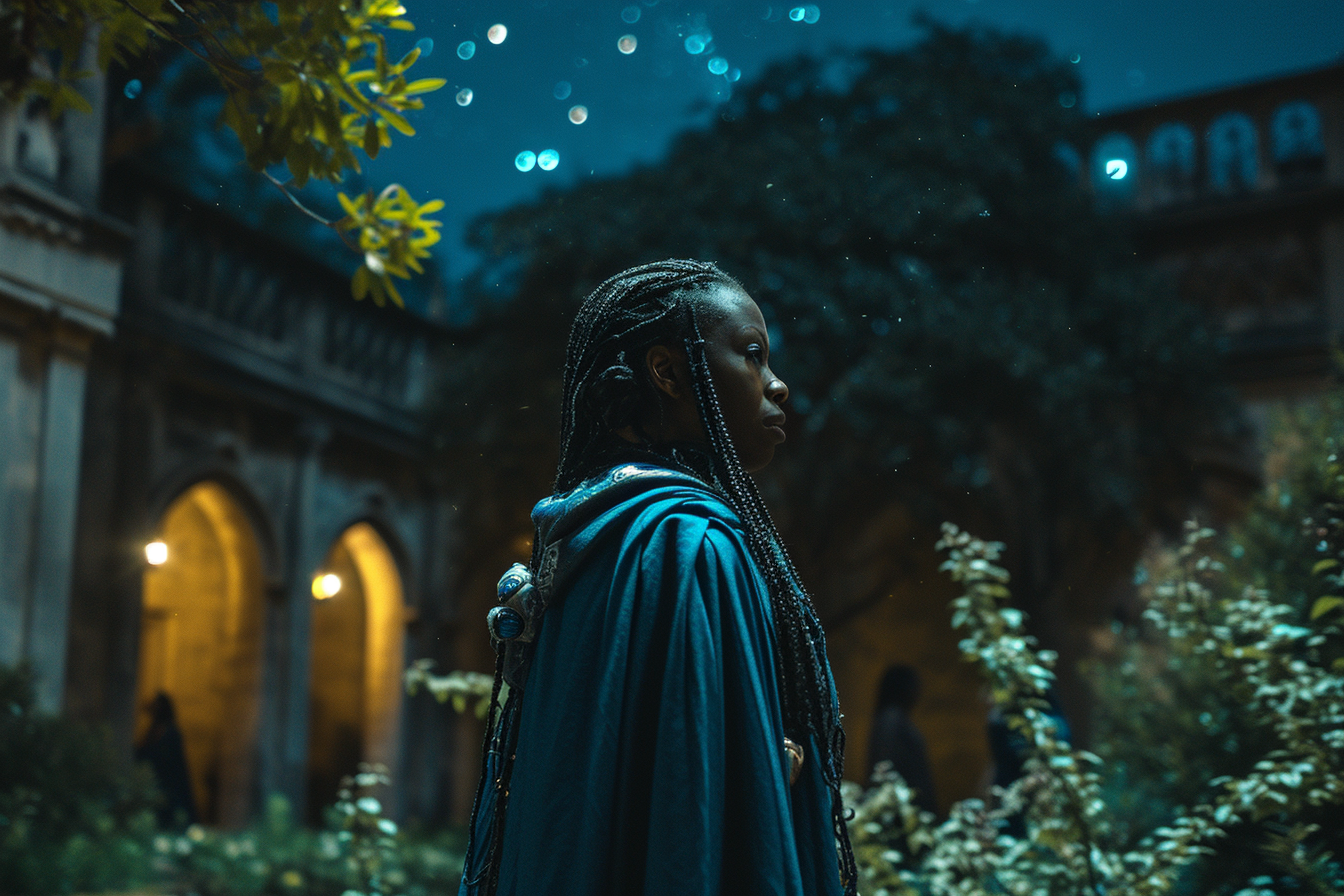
{"type": "Point", "coordinates": [961, 332]}
{"type": "Point", "coordinates": [1285, 803]}
{"type": "Point", "coordinates": [463, 688]}
{"type": "Point", "coordinates": [307, 83]}
{"type": "Point", "coordinates": [69, 820]}
{"type": "Point", "coordinates": [1170, 720]}
{"type": "Point", "coordinates": [360, 852]}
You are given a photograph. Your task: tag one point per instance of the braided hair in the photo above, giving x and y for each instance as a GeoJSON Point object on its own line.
{"type": "Point", "coordinates": [607, 388]}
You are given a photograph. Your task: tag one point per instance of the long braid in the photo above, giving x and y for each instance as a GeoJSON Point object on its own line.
{"type": "Point", "coordinates": [604, 390]}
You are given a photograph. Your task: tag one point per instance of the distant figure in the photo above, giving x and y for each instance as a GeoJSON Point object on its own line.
{"type": "Point", "coordinates": [162, 749]}
{"type": "Point", "coordinates": [895, 738]}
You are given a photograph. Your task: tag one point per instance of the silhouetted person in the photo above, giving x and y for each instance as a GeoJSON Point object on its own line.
{"type": "Point", "coordinates": [895, 738]}
{"type": "Point", "coordinates": [162, 749]}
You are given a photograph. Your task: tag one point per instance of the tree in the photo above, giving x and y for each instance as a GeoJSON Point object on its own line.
{"type": "Point", "coordinates": [307, 83]}
{"type": "Point", "coordinates": [963, 335]}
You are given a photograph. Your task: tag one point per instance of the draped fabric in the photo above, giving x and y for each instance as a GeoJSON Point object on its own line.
{"type": "Point", "coordinates": [650, 752]}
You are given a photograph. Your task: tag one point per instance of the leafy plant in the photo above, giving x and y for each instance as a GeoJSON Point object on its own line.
{"type": "Point", "coordinates": [1285, 802]}
{"type": "Point", "coordinates": [70, 819]}
{"type": "Point", "coordinates": [307, 84]}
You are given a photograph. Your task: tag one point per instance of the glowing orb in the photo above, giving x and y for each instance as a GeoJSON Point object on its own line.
{"type": "Point", "coordinates": [796, 14]}
{"type": "Point", "coordinates": [547, 159]}
{"type": "Point", "coordinates": [563, 90]}
{"type": "Point", "coordinates": [425, 45]}
{"type": "Point", "coordinates": [156, 553]}
{"type": "Point", "coordinates": [734, 74]}
{"type": "Point", "coordinates": [695, 44]}
{"type": "Point", "coordinates": [132, 89]}
{"type": "Point", "coordinates": [464, 96]}
{"type": "Point", "coordinates": [1116, 169]}
{"type": "Point", "coordinates": [630, 15]}
{"type": "Point", "coordinates": [525, 160]}
{"type": "Point", "coordinates": [718, 65]}
{"type": "Point", "coordinates": [326, 585]}
{"type": "Point", "coordinates": [627, 44]}
{"type": "Point", "coordinates": [496, 34]}
{"type": "Point", "coordinates": [578, 114]}
{"type": "Point", "coordinates": [811, 14]}
{"type": "Point", "coordinates": [466, 49]}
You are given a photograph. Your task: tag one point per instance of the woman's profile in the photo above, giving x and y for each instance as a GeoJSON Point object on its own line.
{"type": "Point", "coordinates": [671, 724]}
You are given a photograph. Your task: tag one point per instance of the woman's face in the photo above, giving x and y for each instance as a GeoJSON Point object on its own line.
{"type": "Point", "coordinates": [737, 348]}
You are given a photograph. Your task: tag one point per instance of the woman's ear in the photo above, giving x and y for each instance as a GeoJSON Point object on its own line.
{"type": "Point", "coordinates": [668, 371]}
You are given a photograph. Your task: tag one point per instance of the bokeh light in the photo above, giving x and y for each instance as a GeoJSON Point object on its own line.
{"type": "Point", "coordinates": [718, 65]}
{"type": "Point", "coordinates": [811, 14]}
{"type": "Point", "coordinates": [734, 74]}
{"type": "Point", "coordinates": [547, 159]}
{"type": "Point", "coordinates": [1068, 100]}
{"type": "Point", "coordinates": [464, 96]}
{"type": "Point", "coordinates": [496, 34]}
{"type": "Point", "coordinates": [132, 88]}
{"type": "Point", "coordinates": [578, 114]}
{"type": "Point", "coordinates": [326, 585]}
{"type": "Point", "coordinates": [630, 15]}
{"type": "Point", "coordinates": [425, 45]}
{"type": "Point", "coordinates": [796, 14]}
{"type": "Point", "coordinates": [695, 44]}
{"type": "Point", "coordinates": [563, 89]}
{"type": "Point", "coordinates": [525, 160]}
{"type": "Point", "coordinates": [627, 44]}
{"type": "Point", "coordinates": [156, 553]}
{"type": "Point", "coordinates": [466, 49]}
{"type": "Point", "coordinates": [1116, 169]}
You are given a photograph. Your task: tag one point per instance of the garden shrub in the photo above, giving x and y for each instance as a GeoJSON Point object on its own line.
{"type": "Point", "coordinates": [71, 818]}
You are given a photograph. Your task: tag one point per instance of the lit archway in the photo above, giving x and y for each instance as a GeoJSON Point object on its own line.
{"type": "Point", "coordinates": [200, 643]}
{"type": "Point", "coordinates": [355, 691]}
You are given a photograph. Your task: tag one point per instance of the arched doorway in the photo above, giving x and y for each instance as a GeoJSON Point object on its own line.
{"type": "Point", "coordinates": [355, 690]}
{"type": "Point", "coordinates": [200, 643]}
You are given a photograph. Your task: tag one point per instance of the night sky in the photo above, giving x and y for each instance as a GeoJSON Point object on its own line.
{"type": "Point", "coordinates": [1129, 52]}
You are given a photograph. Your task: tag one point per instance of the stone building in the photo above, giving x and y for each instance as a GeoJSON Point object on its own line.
{"type": "Point", "coordinates": [1239, 194]}
{"type": "Point", "coordinates": [214, 484]}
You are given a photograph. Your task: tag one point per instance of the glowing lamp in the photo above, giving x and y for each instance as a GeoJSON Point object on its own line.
{"type": "Point", "coordinates": [156, 553]}
{"type": "Point", "coordinates": [1116, 169]}
{"type": "Point", "coordinates": [326, 585]}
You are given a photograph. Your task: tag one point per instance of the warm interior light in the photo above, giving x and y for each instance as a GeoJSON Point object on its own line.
{"type": "Point", "coordinates": [326, 585]}
{"type": "Point", "coordinates": [156, 553]}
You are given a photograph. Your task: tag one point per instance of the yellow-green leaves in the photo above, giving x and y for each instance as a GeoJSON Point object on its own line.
{"type": "Point", "coordinates": [307, 84]}
{"type": "Point", "coordinates": [393, 232]}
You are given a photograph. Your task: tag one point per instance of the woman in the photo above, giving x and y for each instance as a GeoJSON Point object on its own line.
{"type": "Point", "coordinates": [671, 724]}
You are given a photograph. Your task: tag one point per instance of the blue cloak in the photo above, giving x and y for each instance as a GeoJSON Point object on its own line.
{"type": "Point", "coordinates": [649, 751]}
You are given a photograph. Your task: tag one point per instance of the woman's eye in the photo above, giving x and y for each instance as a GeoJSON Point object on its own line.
{"type": "Point", "coordinates": [756, 353]}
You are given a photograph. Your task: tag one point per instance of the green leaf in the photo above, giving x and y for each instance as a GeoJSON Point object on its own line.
{"type": "Point", "coordinates": [1325, 605]}
{"type": "Point", "coordinates": [1322, 565]}
{"type": "Point", "coordinates": [397, 121]}
{"type": "Point", "coordinates": [424, 85]}
{"type": "Point", "coordinates": [371, 140]}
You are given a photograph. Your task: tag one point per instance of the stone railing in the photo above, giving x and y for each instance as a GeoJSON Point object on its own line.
{"type": "Point", "coordinates": [214, 286]}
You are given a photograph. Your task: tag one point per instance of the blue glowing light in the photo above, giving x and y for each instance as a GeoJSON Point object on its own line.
{"type": "Point", "coordinates": [630, 15]}
{"type": "Point", "coordinates": [796, 14]}
{"type": "Point", "coordinates": [525, 160]}
{"type": "Point", "coordinates": [132, 88]}
{"type": "Point", "coordinates": [734, 74]}
{"type": "Point", "coordinates": [718, 65]}
{"type": "Point", "coordinates": [464, 96]}
{"type": "Point", "coordinates": [811, 13]}
{"type": "Point", "coordinates": [1116, 169]}
{"type": "Point", "coordinates": [547, 159]}
{"type": "Point", "coordinates": [425, 45]}
{"type": "Point", "coordinates": [695, 44]}
{"type": "Point", "coordinates": [563, 89]}
{"type": "Point", "coordinates": [466, 49]}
